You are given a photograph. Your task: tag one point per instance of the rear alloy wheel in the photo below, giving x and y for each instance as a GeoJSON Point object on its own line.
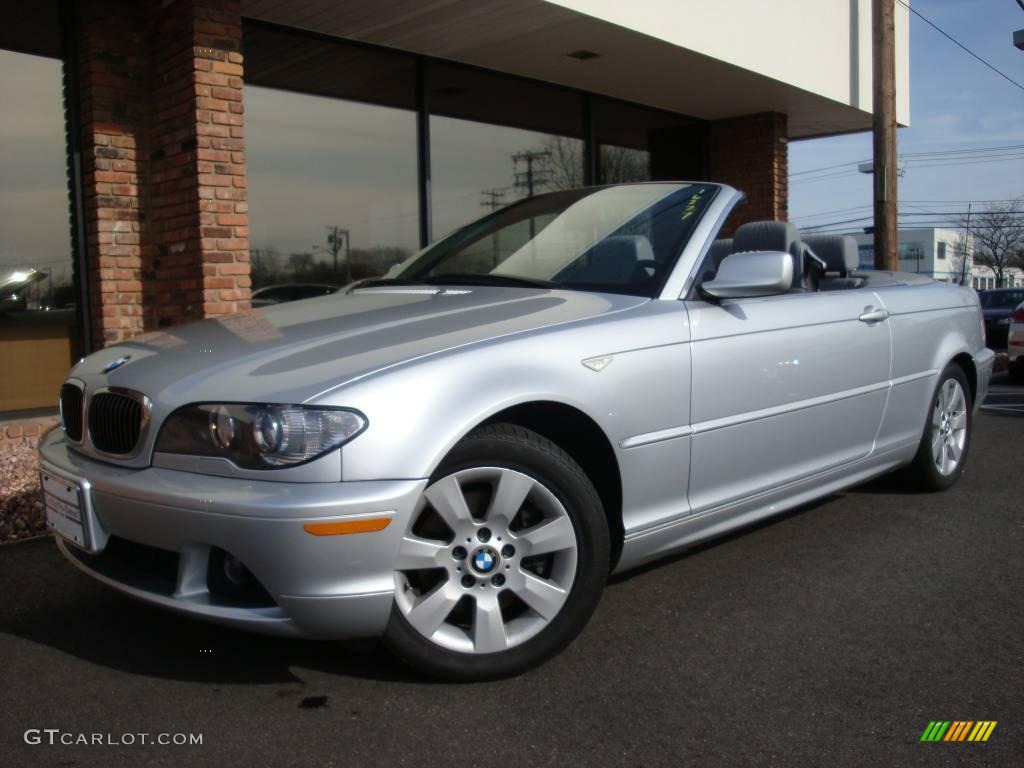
{"type": "Point", "coordinates": [504, 559]}
{"type": "Point", "coordinates": [947, 435]}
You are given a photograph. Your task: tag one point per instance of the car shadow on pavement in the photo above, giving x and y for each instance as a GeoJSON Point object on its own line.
{"type": "Point", "coordinates": [50, 603]}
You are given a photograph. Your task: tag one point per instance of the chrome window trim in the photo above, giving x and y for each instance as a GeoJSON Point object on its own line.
{"type": "Point", "coordinates": [147, 409]}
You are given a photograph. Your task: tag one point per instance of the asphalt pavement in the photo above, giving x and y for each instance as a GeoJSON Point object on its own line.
{"type": "Point", "coordinates": [830, 636]}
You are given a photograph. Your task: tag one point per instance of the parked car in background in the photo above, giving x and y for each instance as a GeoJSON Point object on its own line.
{"type": "Point", "coordinates": [457, 455]}
{"type": "Point", "coordinates": [1015, 345]}
{"type": "Point", "coordinates": [280, 294]}
{"type": "Point", "coordinates": [997, 306]}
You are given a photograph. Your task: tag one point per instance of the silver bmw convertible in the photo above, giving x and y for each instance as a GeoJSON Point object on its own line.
{"type": "Point", "coordinates": [456, 455]}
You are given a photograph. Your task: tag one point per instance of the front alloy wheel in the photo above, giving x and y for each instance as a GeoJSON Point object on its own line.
{"type": "Point", "coordinates": [503, 561]}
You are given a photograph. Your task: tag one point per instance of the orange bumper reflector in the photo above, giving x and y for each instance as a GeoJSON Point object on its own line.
{"type": "Point", "coordinates": [343, 527]}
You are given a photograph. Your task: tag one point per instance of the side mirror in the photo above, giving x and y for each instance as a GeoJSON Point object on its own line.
{"type": "Point", "coordinates": [751, 274]}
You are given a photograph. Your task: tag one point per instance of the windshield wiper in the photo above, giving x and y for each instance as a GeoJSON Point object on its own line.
{"type": "Point", "coordinates": [471, 278]}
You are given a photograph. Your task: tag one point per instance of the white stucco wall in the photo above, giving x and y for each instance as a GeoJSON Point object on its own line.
{"type": "Point", "coordinates": [821, 46]}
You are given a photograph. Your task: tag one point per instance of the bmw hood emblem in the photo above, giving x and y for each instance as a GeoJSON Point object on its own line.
{"type": "Point", "coordinates": [113, 365]}
{"type": "Point", "coordinates": [484, 560]}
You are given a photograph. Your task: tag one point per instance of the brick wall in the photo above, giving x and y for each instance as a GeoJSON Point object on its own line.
{"type": "Point", "coordinates": [751, 153]}
{"type": "Point", "coordinates": [164, 162]}
{"type": "Point", "coordinates": [17, 432]}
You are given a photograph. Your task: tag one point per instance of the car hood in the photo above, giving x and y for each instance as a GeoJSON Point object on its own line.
{"type": "Point", "coordinates": [294, 352]}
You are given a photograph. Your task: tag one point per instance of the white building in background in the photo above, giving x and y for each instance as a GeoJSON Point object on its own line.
{"type": "Point", "coordinates": [938, 253]}
{"type": "Point", "coordinates": [935, 252]}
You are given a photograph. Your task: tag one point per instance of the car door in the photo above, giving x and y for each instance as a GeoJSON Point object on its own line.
{"type": "Point", "coordinates": [783, 387]}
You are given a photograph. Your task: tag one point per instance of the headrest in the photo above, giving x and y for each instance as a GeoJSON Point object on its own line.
{"type": "Point", "coordinates": [719, 250]}
{"type": "Point", "coordinates": [839, 252]}
{"type": "Point", "coordinates": [765, 236]}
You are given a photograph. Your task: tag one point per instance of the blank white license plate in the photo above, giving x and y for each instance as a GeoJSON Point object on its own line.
{"type": "Point", "coordinates": [64, 513]}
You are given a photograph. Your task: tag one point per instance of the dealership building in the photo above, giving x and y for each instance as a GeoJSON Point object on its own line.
{"type": "Point", "coordinates": [161, 159]}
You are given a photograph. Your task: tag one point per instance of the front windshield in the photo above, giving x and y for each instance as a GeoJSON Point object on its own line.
{"type": "Point", "coordinates": [622, 239]}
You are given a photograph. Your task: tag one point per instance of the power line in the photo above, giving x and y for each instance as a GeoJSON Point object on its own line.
{"type": "Point", "coordinates": [944, 152]}
{"type": "Point", "coordinates": [957, 42]}
{"type": "Point", "coordinates": [914, 157]}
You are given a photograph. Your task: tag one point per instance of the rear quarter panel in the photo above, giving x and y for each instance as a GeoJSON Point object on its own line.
{"type": "Point", "coordinates": [930, 325]}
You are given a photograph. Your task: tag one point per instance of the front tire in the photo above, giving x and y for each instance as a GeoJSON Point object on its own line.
{"type": "Point", "coordinates": [503, 562]}
{"type": "Point", "coordinates": [944, 445]}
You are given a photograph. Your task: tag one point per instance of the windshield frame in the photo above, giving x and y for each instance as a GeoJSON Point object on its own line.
{"type": "Point", "coordinates": [414, 269]}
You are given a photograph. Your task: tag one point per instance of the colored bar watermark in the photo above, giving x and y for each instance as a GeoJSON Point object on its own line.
{"type": "Point", "coordinates": [958, 730]}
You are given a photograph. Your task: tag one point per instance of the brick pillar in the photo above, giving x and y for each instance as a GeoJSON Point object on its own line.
{"type": "Point", "coordinates": [751, 153]}
{"type": "Point", "coordinates": [163, 155]}
{"type": "Point", "coordinates": [199, 199]}
{"type": "Point", "coordinates": [112, 82]}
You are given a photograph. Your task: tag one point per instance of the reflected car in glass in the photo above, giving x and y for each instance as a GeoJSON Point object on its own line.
{"type": "Point", "coordinates": [455, 456]}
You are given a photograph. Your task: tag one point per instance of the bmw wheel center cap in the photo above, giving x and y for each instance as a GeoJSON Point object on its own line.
{"type": "Point", "coordinates": [484, 560]}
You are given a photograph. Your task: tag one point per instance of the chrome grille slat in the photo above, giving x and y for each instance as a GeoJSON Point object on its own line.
{"type": "Point", "coordinates": [115, 422]}
{"type": "Point", "coordinates": [71, 410]}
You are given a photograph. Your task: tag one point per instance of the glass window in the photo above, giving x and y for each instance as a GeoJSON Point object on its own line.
{"type": "Point", "coordinates": [620, 240]}
{"type": "Point", "coordinates": [866, 255]}
{"type": "Point", "coordinates": [941, 251]}
{"type": "Point", "coordinates": [39, 331]}
{"type": "Point", "coordinates": [639, 144]}
{"type": "Point", "coordinates": [331, 158]}
{"type": "Point", "coordinates": [497, 139]}
{"type": "Point", "coordinates": [477, 167]}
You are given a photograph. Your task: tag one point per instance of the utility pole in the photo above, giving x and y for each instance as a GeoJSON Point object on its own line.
{"type": "Point", "coordinates": [885, 192]}
{"type": "Point", "coordinates": [534, 175]}
{"type": "Point", "coordinates": [336, 237]}
{"type": "Point", "coordinates": [492, 198]}
{"type": "Point", "coordinates": [967, 248]}
{"type": "Point", "coordinates": [536, 172]}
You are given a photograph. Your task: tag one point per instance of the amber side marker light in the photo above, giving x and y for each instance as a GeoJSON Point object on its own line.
{"type": "Point", "coordinates": [343, 527]}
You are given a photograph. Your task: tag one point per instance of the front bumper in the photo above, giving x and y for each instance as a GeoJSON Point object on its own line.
{"type": "Point", "coordinates": [316, 586]}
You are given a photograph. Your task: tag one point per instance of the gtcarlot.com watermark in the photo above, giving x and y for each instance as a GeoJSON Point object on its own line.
{"type": "Point", "coordinates": [57, 737]}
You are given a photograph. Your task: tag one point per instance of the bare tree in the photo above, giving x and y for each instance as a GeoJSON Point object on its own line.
{"type": "Point", "coordinates": [565, 162]}
{"type": "Point", "coordinates": [997, 234]}
{"type": "Point", "coordinates": [616, 164]}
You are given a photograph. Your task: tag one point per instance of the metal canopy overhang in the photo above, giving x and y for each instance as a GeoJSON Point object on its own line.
{"type": "Point", "coordinates": [531, 38]}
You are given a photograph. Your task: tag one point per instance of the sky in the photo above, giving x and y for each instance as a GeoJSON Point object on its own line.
{"type": "Point", "coordinates": [34, 216]}
{"type": "Point", "coordinates": [956, 103]}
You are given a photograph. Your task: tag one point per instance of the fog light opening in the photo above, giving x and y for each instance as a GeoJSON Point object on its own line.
{"type": "Point", "coordinates": [236, 572]}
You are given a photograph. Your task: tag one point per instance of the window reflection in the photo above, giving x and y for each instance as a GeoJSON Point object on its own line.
{"type": "Point", "coordinates": [478, 167]}
{"type": "Point", "coordinates": [38, 328]}
{"type": "Point", "coordinates": [332, 187]}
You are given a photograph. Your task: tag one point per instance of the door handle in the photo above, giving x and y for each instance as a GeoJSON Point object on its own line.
{"type": "Point", "coordinates": [872, 315]}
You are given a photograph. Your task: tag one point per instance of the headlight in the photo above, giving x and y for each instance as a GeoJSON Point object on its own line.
{"type": "Point", "coordinates": [259, 436]}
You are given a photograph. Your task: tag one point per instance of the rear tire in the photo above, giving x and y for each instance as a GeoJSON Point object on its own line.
{"type": "Point", "coordinates": [946, 438]}
{"type": "Point", "coordinates": [504, 560]}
